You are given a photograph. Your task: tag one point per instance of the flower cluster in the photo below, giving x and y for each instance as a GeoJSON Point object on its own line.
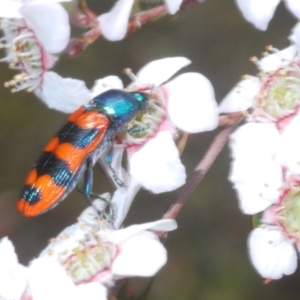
{"type": "Point", "coordinates": [87, 258]}
{"type": "Point", "coordinates": [84, 260]}
{"type": "Point", "coordinates": [266, 158]}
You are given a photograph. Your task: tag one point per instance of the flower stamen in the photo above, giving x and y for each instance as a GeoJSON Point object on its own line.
{"type": "Point", "coordinates": [24, 53]}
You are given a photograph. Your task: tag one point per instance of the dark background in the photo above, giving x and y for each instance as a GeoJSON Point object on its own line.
{"type": "Point", "coordinates": [207, 254]}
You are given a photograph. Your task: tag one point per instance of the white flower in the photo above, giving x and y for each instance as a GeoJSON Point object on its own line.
{"type": "Point", "coordinates": [91, 250]}
{"type": "Point", "coordinates": [259, 13]}
{"type": "Point", "coordinates": [34, 33]}
{"type": "Point", "coordinates": [114, 23]}
{"type": "Point", "coordinates": [273, 246]}
{"type": "Point", "coordinates": [274, 96]}
{"type": "Point", "coordinates": [44, 279]}
{"type": "Point", "coordinates": [186, 102]}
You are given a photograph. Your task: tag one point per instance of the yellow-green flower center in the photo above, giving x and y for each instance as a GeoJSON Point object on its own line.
{"type": "Point", "coordinates": [86, 262]}
{"type": "Point", "coordinates": [280, 95]}
{"type": "Point", "coordinates": [290, 212]}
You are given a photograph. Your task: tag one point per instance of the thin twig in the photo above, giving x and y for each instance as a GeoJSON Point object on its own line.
{"type": "Point", "coordinates": [205, 163]}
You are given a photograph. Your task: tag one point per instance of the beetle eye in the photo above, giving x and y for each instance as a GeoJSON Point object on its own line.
{"type": "Point", "coordinates": [140, 97]}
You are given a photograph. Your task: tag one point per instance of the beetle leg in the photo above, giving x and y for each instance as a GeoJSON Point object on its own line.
{"type": "Point", "coordinates": [108, 159]}
{"type": "Point", "coordinates": [86, 190]}
{"type": "Point", "coordinates": [137, 129]}
{"type": "Point", "coordinates": [109, 213]}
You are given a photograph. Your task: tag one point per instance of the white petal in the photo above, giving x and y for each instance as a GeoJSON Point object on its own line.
{"type": "Point", "coordinates": [240, 98]}
{"type": "Point", "coordinates": [63, 94]}
{"type": "Point", "coordinates": [8, 257]}
{"type": "Point", "coordinates": [118, 236]}
{"type": "Point", "coordinates": [289, 148]}
{"type": "Point", "coordinates": [254, 197]}
{"type": "Point", "coordinates": [113, 24]}
{"type": "Point", "coordinates": [106, 83]}
{"type": "Point", "coordinates": [90, 291]}
{"type": "Point", "coordinates": [295, 35]}
{"type": "Point", "coordinates": [271, 254]}
{"type": "Point", "coordinates": [258, 183]}
{"type": "Point", "coordinates": [254, 141]}
{"type": "Point", "coordinates": [191, 103]}
{"type": "Point", "coordinates": [255, 174]}
{"type": "Point", "coordinates": [140, 256]}
{"type": "Point", "coordinates": [50, 23]}
{"type": "Point", "coordinates": [48, 280]}
{"type": "Point", "coordinates": [13, 276]}
{"type": "Point", "coordinates": [158, 71]}
{"type": "Point", "coordinates": [157, 165]}
{"type": "Point", "coordinates": [122, 201]}
{"type": "Point", "coordinates": [294, 7]}
{"type": "Point", "coordinates": [278, 60]}
{"type": "Point", "coordinates": [258, 12]}
{"type": "Point", "coordinates": [10, 9]}
{"type": "Point", "coordinates": [173, 6]}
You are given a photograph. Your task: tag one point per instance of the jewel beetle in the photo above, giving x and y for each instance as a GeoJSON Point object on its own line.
{"type": "Point", "coordinates": [76, 148]}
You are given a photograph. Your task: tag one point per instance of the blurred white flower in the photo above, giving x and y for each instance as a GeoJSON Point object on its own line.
{"type": "Point", "coordinates": [34, 33]}
{"type": "Point", "coordinates": [114, 23]}
{"type": "Point", "coordinates": [259, 13]}
{"type": "Point", "coordinates": [92, 251]}
{"type": "Point", "coordinates": [186, 102]}
{"type": "Point", "coordinates": [44, 279]}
